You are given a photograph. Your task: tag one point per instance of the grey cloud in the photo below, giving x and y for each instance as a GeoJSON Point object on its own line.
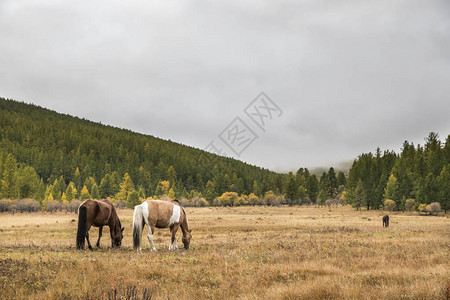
{"type": "Point", "coordinates": [349, 75]}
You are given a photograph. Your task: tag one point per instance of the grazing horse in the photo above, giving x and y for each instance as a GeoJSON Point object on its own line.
{"type": "Point", "coordinates": [160, 214]}
{"type": "Point", "coordinates": [98, 214]}
{"type": "Point", "coordinates": [386, 221]}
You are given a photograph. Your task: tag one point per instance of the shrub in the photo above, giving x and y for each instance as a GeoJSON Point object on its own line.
{"type": "Point", "coordinates": [329, 202]}
{"type": "Point", "coordinates": [423, 208]}
{"type": "Point", "coordinates": [72, 206]}
{"type": "Point", "coordinates": [434, 208]}
{"type": "Point", "coordinates": [409, 204]}
{"type": "Point", "coordinates": [253, 199]}
{"type": "Point", "coordinates": [194, 201]}
{"type": "Point", "coordinates": [227, 199]}
{"type": "Point", "coordinates": [120, 204]}
{"type": "Point", "coordinates": [389, 204]}
{"type": "Point", "coordinates": [7, 205]}
{"type": "Point", "coordinates": [28, 205]}
{"type": "Point", "coordinates": [53, 205]}
{"type": "Point", "coordinates": [271, 199]}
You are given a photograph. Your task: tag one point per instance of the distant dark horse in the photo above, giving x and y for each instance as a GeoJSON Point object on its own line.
{"type": "Point", "coordinates": [386, 221]}
{"type": "Point", "coordinates": [98, 214]}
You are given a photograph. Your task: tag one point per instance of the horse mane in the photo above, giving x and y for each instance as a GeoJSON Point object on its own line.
{"type": "Point", "coordinates": [177, 201]}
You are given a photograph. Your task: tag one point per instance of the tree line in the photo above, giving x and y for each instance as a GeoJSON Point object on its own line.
{"type": "Point", "coordinates": [56, 158]}
{"type": "Point", "coordinates": [420, 174]}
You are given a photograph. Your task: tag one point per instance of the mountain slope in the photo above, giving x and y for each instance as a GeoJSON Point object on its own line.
{"type": "Point", "coordinates": [56, 145]}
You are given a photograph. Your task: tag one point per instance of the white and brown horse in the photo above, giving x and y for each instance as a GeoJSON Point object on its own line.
{"type": "Point", "coordinates": [160, 214]}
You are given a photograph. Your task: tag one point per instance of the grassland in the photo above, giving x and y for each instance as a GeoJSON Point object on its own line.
{"type": "Point", "coordinates": [236, 253]}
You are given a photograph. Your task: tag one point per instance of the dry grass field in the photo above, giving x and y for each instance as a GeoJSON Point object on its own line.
{"type": "Point", "coordinates": [236, 253]}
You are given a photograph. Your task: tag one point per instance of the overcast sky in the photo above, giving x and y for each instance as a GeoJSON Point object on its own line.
{"type": "Point", "coordinates": [347, 76]}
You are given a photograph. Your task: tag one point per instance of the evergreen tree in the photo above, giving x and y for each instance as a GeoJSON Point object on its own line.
{"type": "Point", "coordinates": [331, 175]}
{"type": "Point", "coordinates": [291, 189]}
{"type": "Point", "coordinates": [359, 197]}
{"type": "Point", "coordinates": [141, 193]}
{"type": "Point", "coordinates": [126, 187]}
{"type": "Point", "coordinates": [171, 176]}
{"type": "Point", "coordinates": [115, 183]}
{"type": "Point", "coordinates": [255, 188]}
{"type": "Point", "coordinates": [71, 191]}
{"type": "Point", "coordinates": [312, 187]}
{"type": "Point", "coordinates": [28, 182]}
{"type": "Point", "coordinates": [210, 192]}
{"type": "Point", "coordinates": [444, 187]}
{"type": "Point", "coordinates": [430, 189]}
{"type": "Point", "coordinates": [133, 199]}
{"type": "Point", "coordinates": [341, 180]}
{"type": "Point", "coordinates": [9, 178]}
{"type": "Point", "coordinates": [95, 192]}
{"type": "Point", "coordinates": [77, 180]}
{"type": "Point", "coordinates": [391, 190]}
{"type": "Point", "coordinates": [106, 187]}
{"type": "Point", "coordinates": [89, 183]}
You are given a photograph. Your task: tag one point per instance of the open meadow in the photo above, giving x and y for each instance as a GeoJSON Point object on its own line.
{"type": "Point", "coordinates": [236, 253]}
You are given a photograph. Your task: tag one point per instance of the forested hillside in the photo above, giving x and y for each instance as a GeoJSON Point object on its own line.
{"type": "Point", "coordinates": [61, 149]}
{"type": "Point", "coordinates": [54, 157]}
{"type": "Point", "coordinates": [419, 174]}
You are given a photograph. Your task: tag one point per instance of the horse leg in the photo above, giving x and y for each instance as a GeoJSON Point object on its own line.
{"type": "Point", "coordinates": [150, 236]}
{"type": "Point", "coordinates": [100, 230]}
{"type": "Point", "coordinates": [87, 238]}
{"type": "Point", "coordinates": [173, 242]}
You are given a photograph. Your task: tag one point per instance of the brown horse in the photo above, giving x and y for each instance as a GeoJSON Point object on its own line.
{"type": "Point", "coordinates": [160, 214]}
{"type": "Point", "coordinates": [98, 214]}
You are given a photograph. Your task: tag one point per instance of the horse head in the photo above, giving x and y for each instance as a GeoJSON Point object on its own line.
{"type": "Point", "coordinates": [187, 239]}
{"type": "Point", "coordinates": [117, 237]}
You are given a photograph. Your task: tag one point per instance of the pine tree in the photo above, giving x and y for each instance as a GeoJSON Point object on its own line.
{"type": "Point", "coordinates": [89, 183]}
{"type": "Point", "coordinates": [9, 178]}
{"type": "Point", "coordinates": [444, 186]}
{"type": "Point", "coordinates": [210, 192]}
{"type": "Point", "coordinates": [133, 199]}
{"type": "Point", "coordinates": [359, 198]}
{"type": "Point", "coordinates": [255, 188]}
{"type": "Point", "coordinates": [77, 179]}
{"type": "Point", "coordinates": [391, 190]}
{"type": "Point", "coordinates": [64, 198]}
{"type": "Point", "coordinates": [291, 189]}
{"type": "Point", "coordinates": [341, 180]}
{"type": "Point", "coordinates": [106, 187]}
{"type": "Point", "coordinates": [172, 176]}
{"type": "Point", "coordinates": [331, 175]}
{"type": "Point", "coordinates": [115, 183]}
{"type": "Point", "coordinates": [71, 191]}
{"type": "Point", "coordinates": [312, 187]}
{"type": "Point", "coordinates": [95, 193]}
{"type": "Point", "coordinates": [28, 182]}
{"type": "Point", "coordinates": [141, 193]}
{"type": "Point", "coordinates": [171, 194]}
{"type": "Point", "coordinates": [85, 193]}
{"type": "Point", "coordinates": [126, 187]}
{"type": "Point", "coordinates": [56, 192]}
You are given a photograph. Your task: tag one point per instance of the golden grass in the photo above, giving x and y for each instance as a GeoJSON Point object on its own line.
{"type": "Point", "coordinates": [236, 253]}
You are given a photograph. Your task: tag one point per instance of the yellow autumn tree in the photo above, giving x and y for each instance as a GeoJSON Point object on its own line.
{"type": "Point", "coordinates": [171, 194]}
{"type": "Point", "coordinates": [162, 188]}
{"type": "Point", "coordinates": [85, 193]}
{"type": "Point", "coordinates": [126, 187]}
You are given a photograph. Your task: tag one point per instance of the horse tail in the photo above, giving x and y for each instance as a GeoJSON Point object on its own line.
{"type": "Point", "coordinates": [82, 227]}
{"type": "Point", "coordinates": [138, 223]}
